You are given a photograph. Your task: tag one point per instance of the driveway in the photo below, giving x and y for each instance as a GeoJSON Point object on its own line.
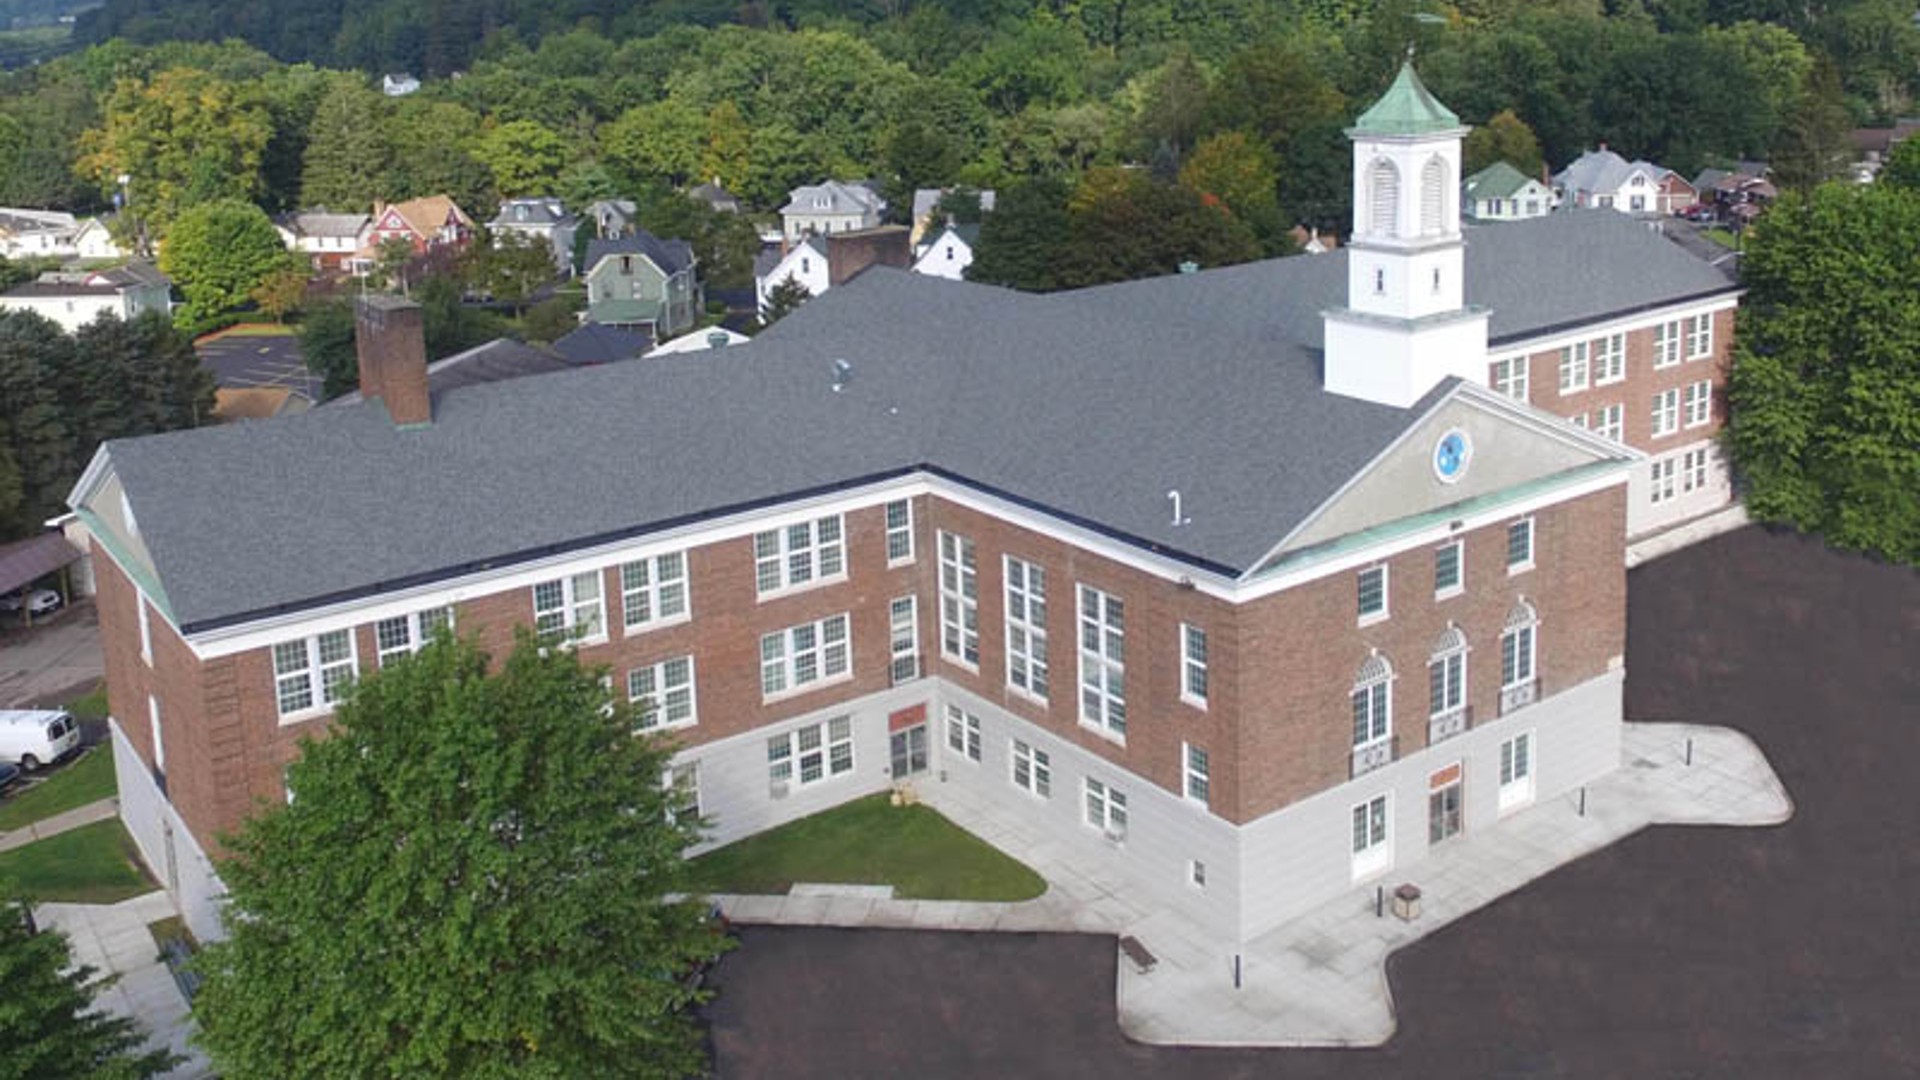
{"type": "Point", "coordinates": [239, 360]}
{"type": "Point", "coordinates": [1679, 952]}
{"type": "Point", "coordinates": [56, 659]}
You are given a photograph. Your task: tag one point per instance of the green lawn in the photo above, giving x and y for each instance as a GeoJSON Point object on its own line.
{"type": "Point", "coordinates": [77, 783]}
{"type": "Point", "coordinates": [91, 705]}
{"type": "Point", "coordinates": [93, 864]}
{"type": "Point", "coordinates": [869, 842]}
{"type": "Point", "coordinates": [1722, 237]}
{"type": "Point", "coordinates": [246, 329]}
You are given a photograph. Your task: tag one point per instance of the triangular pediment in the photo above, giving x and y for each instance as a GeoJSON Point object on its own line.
{"type": "Point", "coordinates": [1508, 449]}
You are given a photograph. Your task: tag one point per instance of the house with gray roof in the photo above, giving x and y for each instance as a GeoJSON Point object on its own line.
{"type": "Point", "coordinates": [949, 252]}
{"type": "Point", "coordinates": [1501, 192]}
{"type": "Point", "coordinates": [1161, 576]}
{"type": "Point", "coordinates": [641, 282]}
{"type": "Point", "coordinates": [1602, 179]}
{"type": "Point", "coordinates": [333, 242]}
{"type": "Point", "coordinates": [31, 234]}
{"type": "Point", "coordinates": [541, 222]}
{"type": "Point", "coordinates": [74, 298]}
{"type": "Point", "coordinates": [829, 207]}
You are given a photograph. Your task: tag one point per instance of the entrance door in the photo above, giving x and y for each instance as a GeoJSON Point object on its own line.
{"type": "Point", "coordinates": [909, 751]}
{"type": "Point", "coordinates": [1443, 805]}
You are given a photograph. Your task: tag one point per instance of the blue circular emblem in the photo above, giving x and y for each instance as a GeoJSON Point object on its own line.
{"type": "Point", "coordinates": [1450, 456]}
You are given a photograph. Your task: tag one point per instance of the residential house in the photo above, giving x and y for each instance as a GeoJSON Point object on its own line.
{"type": "Point", "coordinates": [1312, 241]}
{"type": "Point", "coordinates": [74, 298]}
{"type": "Point", "coordinates": [612, 217]}
{"type": "Point", "coordinates": [927, 200]}
{"type": "Point", "coordinates": [901, 553]}
{"type": "Point", "coordinates": [715, 196]}
{"type": "Point", "coordinates": [819, 262]}
{"type": "Point", "coordinates": [427, 224]}
{"type": "Point", "coordinates": [598, 343]}
{"type": "Point", "coordinates": [643, 282]}
{"type": "Point", "coordinates": [399, 85]}
{"type": "Point", "coordinates": [333, 243]}
{"type": "Point", "coordinates": [37, 234]}
{"type": "Point", "coordinates": [94, 242]}
{"type": "Point", "coordinates": [1737, 195]}
{"type": "Point", "coordinates": [1501, 192]}
{"type": "Point", "coordinates": [1603, 179]}
{"type": "Point", "coordinates": [949, 253]}
{"type": "Point", "coordinates": [541, 222]}
{"type": "Point", "coordinates": [830, 207]}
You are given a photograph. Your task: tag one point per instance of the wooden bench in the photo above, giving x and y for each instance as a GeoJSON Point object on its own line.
{"type": "Point", "coordinates": [1138, 953]}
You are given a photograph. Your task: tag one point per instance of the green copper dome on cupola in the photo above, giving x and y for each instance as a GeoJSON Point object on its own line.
{"type": "Point", "coordinates": [1407, 108]}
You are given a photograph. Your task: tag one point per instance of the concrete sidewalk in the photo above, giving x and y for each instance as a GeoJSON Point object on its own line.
{"type": "Point", "coordinates": [114, 940]}
{"type": "Point", "coordinates": [65, 821]}
{"type": "Point", "coordinates": [1321, 979]}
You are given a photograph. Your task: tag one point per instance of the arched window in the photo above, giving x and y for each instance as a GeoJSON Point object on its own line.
{"type": "Point", "coordinates": [1383, 198]}
{"type": "Point", "coordinates": [1447, 685]}
{"type": "Point", "coordinates": [1519, 644]}
{"type": "Point", "coordinates": [1373, 703]}
{"type": "Point", "coordinates": [1433, 197]}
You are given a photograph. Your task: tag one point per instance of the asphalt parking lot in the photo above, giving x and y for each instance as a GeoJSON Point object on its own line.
{"type": "Point", "coordinates": [242, 361]}
{"type": "Point", "coordinates": [1679, 952]}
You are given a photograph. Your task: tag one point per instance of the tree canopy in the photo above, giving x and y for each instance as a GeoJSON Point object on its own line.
{"type": "Point", "coordinates": [1825, 384]}
{"type": "Point", "coordinates": [48, 1022]}
{"type": "Point", "coordinates": [218, 253]}
{"type": "Point", "coordinates": [469, 880]}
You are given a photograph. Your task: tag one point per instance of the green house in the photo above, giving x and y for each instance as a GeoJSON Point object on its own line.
{"type": "Point", "coordinates": [644, 283]}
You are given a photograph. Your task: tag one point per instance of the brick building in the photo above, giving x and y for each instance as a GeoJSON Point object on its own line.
{"type": "Point", "coordinates": [1241, 595]}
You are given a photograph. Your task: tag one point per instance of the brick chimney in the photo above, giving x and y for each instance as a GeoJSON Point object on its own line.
{"type": "Point", "coordinates": [391, 342]}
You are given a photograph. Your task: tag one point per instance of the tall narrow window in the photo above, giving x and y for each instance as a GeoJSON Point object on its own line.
{"type": "Point", "coordinates": [1032, 770]}
{"type": "Point", "coordinates": [1199, 780]}
{"type": "Point", "coordinates": [963, 733]}
{"type": "Point", "coordinates": [959, 601]}
{"type": "Point", "coordinates": [1370, 588]}
{"type": "Point", "coordinates": [899, 532]}
{"type": "Point", "coordinates": [1699, 337]}
{"type": "Point", "coordinates": [1027, 627]}
{"type": "Point", "coordinates": [1666, 412]}
{"type": "Point", "coordinates": [1433, 197]}
{"type": "Point", "coordinates": [1193, 665]}
{"type": "Point", "coordinates": [1519, 545]}
{"type": "Point", "coordinates": [146, 630]}
{"type": "Point", "coordinates": [1106, 809]}
{"type": "Point", "coordinates": [1699, 403]}
{"type": "Point", "coordinates": [1446, 568]}
{"type": "Point", "coordinates": [1519, 686]}
{"type": "Point", "coordinates": [1666, 344]}
{"type": "Point", "coordinates": [1509, 377]}
{"type": "Point", "coordinates": [1447, 686]}
{"type": "Point", "coordinates": [1103, 667]}
{"type": "Point", "coordinates": [1372, 714]}
{"type": "Point", "coordinates": [1609, 358]}
{"type": "Point", "coordinates": [904, 636]}
{"type": "Point", "coordinates": [1516, 771]}
{"type": "Point", "coordinates": [1383, 198]}
{"type": "Point", "coordinates": [1573, 367]}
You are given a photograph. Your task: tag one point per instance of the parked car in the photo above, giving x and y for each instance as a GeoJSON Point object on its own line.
{"type": "Point", "coordinates": [1697, 212]}
{"type": "Point", "coordinates": [37, 602]}
{"type": "Point", "coordinates": [35, 737]}
{"type": "Point", "coordinates": [8, 774]}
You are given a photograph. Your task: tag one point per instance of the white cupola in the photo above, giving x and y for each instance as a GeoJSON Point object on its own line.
{"type": "Point", "coordinates": [1406, 325]}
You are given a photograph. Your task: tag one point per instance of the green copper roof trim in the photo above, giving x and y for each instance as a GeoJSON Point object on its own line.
{"type": "Point", "coordinates": [128, 563]}
{"type": "Point", "coordinates": [1407, 108]}
{"type": "Point", "coordinates": [1307, 556]}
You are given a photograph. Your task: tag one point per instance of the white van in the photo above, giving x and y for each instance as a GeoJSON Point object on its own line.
{"type": "Point", "coordinates": [35, 737]}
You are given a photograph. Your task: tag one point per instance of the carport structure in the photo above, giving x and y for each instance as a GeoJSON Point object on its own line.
{"type": "Point", "coordinates": [24, 562]}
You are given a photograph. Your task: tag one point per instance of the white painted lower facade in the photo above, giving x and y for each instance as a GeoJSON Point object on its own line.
{"type": "Point", "coordinates": [167, 846]}
{"type": "Point", "coordinates": [1257, 876]}
{"type": "Point", "coordinates": [1677, 484]}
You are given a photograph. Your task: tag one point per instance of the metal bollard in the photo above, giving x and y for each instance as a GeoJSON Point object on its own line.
{"type": "Point", "coordinates": [1583, 800]}
{"type": "Point", "coordinates": [1236, 971]}
{"type": "Point", "coordinates": [1379, 901]}
{"type": "Point", "coordinates": [1689, 749]}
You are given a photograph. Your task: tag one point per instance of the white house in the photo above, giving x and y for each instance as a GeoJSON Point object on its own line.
{"type": "Point", "coordinates": [28, 234]}
{"type": "Point", "coordinates": [399, 85]}
{"type": "Point", "coordinates": [1605, 180]}
{"type": "Point", "coordinates": [328, 240]}
{"type": "Point", "coordinates": [805, 263]}
{"type": "Point", "coordinates": [540, 221]}
{"type": "Point", "coordinates": [830, 207]}
{"type": "Point", "coordinates": [1501, 192]}
{"type": "Point", "coordinates": [950, 253]}
{"type": "Point", "coordinates": [74, 299]}
{"type": "Point", "coordinates": [94, 241]}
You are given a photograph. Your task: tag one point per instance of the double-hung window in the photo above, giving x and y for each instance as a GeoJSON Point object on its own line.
{"type": "Point", "coordinates": [1447, 686]}
{"type": "Point", "coordinates": [963, 733]}
{"type": "Point", "coordinates": [1518, 685]}
{"type": "Point", "coordinates": [1370, 590]}
{"type": "Point", "coordinates": [1519, 545]}
{"type": "Point", "coordinates": [799, 656]}
{"type": "Point", "coordinates": [654, 591]}
{"type": "Point", "coordinates": [959, 601]}
{"type": "Point", "coordinates": [662, 694]}
{"type": "Point", "coordinates": [1666, 412]}
{"type": "Point", "coordinates": [1103, 665]}
{"type": "Point", "coordinates": [1032, 770]}
{"type": "Point", "coordinates": [404, 635]}
{"type": "Point", "coordinates": [812, 753]}
{"type": "Point", "coordinates": [1199, 781]}
{"type": "Point", "coordinates": [903, 617]}
{"type": "Point", "coordinates": [1609, 358]}
{"type": "Point", "coordinates": [1610, 420]}
{"type": "Point", "coordinates": [314, 672]}
{"type": "Point", "coordinates": [1660, 477]}
{"type": "Point", "coordinates": [569, 608]}
{"type": "Point", "coordinates": [1106, 809]}
{"type": "Point", "coordinates": [1573, 367]}
{"type": "Point", "coordinates": [1372, 849]}
{"type": "Point", "coordinates": [1666, 344]}
{"type": "Point", "coordinates": [1447, 579]}
{"type": "Point", "coordinates": [899, 532]}
{"type": "Point", "coordinates": [1509, 377]}
{"type": "Point", "coordinates": [1516, 771]}
{"type": "Point", "coordinates": [1372, 715]}
{"type": "Point", "coordinates": [1027, 627]}
{"type": "Point", "coordinates": [799, 554]}
{"type": "Point", "coordinates": [1193, 665]}
{"type": "Point", "coordinates": [1693, 470]}
{"type": "Point", "coordinates": [1700, 337]}
{"type": "Point", "coordinates": [1699, 403]}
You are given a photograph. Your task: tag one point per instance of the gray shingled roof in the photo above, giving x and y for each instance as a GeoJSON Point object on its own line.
{"type": "Point", "coordinates": [494, 361]}
{"type": "Point", "coordinates": [671, 256]}
{"type": "Point", "coordinates": [1090, 404]}
{"type": "Point", "coordinates": [594, 343]}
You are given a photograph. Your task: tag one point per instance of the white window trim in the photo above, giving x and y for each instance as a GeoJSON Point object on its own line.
{"type": "Point", "coordinates": [905, 530]}
{"type": "Point", "coordinates": [790, 654]}
{"type": "Point", "coordinates": [1575, 367]}
{"type": "Point", "coordinates": [1696, 404]}
{"type": "Point", "coordinates": [1667, 338]}
{"type": "Point", "coordinates": [1608, 359]}
{"type": "Point", "coordinates": [1518, 791]}
{"type": "Point", "coordinates": [1377, 857]}
{"type": "Point", "coordinates": [1611, 422]}
{"type": "Point", "coordinates": [815, 549]}
{"type": "Point", "coordinates": [963, 727]}
{"type": "Point", "coordinates": [1368, 618]}
{"type": "Point", "coordinates": [1038, 762]}
{"type": "Point", "coordinates": [315, 672]}
{"type": "Point", "coordinates": [418, 634]}
{"type": "Point", "coordinates": [1666, 412]}
{"type": "Point", "coordinates": [1106, 666]}
{"type": "Point", "coordinates": [568, 633]}
{"type": "Point", "coordinates": [1533, 547]}
{"type": "Point", "coordinates": [652, 590]}
{"type": "Point", "coordinates": [1528, 671]}
{"type": "Point", "coordinates": [1188, 665]}
{"type": "Point", "coordinates": [1035, 657]}
{"type": "Point", "coordinates": [1693, 470]}
{"type": "Point", "coordinates": [1365, 686]}
{"type": "Point", "coordinates": [1509, 377]}
{"type": "Point", "coordinates": [146, 629]}
{"type": "Point", "coordinates": [1699, 331]}
{"type": "Point", "coordinates": [1661, 476]}
{"type": "Point", "coordinates": [1459, 585]}
{"type": "Point", "coordinates": [955, 605]}
{"type": "Point", "coordinates": [1112, 808]}
{"type": "Point", "coordinates": [1188, 774]}
{"type": "Point", "coordinates": [659, 696]}
{"type": "Point", "coordinates": [911, 639]}
{"type": "Point", "coordinates": [159, 740]}
{"type": "Point", "coordinates": [794, 753]}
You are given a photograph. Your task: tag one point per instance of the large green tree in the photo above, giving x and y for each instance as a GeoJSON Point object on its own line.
{"type": "Point", "coordinates": [33, 427]}
{"type": "Point", "coordinates": [48, 1023]}
{"type": "Point", "coordinates": [524, 157]}
{"type": "Point", "coordinates": [347, 155]}
{"type": "Point", "coordinates": [184, 137]}
{"type": "Point", "coordinates": [218, 253]}
{"type": "Point", "coordinates": [1023, 240]}
{"type": "Point", "coordinates": [326, 344]}
{"type": "Point", "coordinates": [1825, 385]}
{"type": "Point", "coordinates": [471, 881]}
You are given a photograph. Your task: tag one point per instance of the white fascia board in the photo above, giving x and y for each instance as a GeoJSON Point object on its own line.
{"type": "Point", "coordinates": [1619, 324]}
{"type": "Point", "coordinates": [96, 471]}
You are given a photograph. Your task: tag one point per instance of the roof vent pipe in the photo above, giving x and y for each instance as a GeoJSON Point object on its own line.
{"type": "Point", "coordinates": [842, 375]}
{"type": "Point", "coordinates": [1179, 518]}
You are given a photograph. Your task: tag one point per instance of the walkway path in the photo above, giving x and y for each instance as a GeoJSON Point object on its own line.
{"type": "Point", "coordinates": [113, 939]}
{"type": "Point", "coordinates": [1321, 979]}
{"type": "Point", "coordinates": [64, 821]}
